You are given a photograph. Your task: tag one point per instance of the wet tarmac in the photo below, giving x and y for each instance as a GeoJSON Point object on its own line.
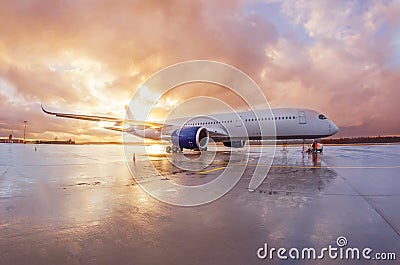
{"type": "Point", "coordinates": [79, 205]}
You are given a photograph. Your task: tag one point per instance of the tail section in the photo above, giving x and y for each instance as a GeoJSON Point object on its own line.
{"type": "Point", "coordinates": [129, 114]}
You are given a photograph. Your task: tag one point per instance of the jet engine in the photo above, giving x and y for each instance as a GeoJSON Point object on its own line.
{"type": "Point", "coordinates": [190, 138]}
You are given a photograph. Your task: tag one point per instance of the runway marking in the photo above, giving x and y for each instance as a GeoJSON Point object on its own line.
{"type": "Point", "coordinates": [367, 200]}
{"type": "Point", "coordinates": [303, 167]}
{"type": "Point", "coordinates": [211, 170]}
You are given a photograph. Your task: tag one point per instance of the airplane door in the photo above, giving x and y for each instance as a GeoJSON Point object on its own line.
{"type": "Point", "coordinates": [302, 117]}
{"type": "Point", "coordinates": [238, 122]}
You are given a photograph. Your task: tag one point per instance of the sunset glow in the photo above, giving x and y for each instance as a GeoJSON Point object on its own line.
{"type": "Point", "coordinates": [339, 57]}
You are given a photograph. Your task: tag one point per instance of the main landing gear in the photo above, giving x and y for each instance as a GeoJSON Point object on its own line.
{"type": "Point", "coordinates": [173, 149]}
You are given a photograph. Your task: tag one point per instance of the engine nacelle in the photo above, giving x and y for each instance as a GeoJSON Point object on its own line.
{"type": "Point", "coordinates": [235, 144]}
{"type": "Point", "coordinates": [195, 137]}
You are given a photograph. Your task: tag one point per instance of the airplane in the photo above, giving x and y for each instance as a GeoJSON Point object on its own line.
{"type": "Point", "coordinates": [232, 129]}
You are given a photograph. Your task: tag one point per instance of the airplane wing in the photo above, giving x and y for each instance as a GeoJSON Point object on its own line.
{"type": "Point", "coordinates": [81, 117]}
{"type": "Point", "coordinates": [216, 132]}
{"type": "Point", "coordinates": [118, 129]}
{"type": "Point", "coordinates": [118, 121]}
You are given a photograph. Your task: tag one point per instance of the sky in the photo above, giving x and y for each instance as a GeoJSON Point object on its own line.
{"type": "Point", "coordinates": [341, 58]}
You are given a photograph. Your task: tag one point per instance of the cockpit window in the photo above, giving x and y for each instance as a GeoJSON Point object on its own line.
{"type": "Point", "coordinates": [322, 117]}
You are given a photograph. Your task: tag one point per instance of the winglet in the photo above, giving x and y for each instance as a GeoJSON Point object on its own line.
{"type": "Point", "coordinates": [45, 111]}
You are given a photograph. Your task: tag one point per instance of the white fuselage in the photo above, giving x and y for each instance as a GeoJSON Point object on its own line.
{"type": "Point", "coordinates": [277, 123]}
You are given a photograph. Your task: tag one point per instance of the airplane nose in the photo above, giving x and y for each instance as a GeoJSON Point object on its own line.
{"type": "Point", "coordinates": [334, 128]}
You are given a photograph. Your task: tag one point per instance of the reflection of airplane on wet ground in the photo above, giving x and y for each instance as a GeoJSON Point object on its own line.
{"type": "Point", "coordinates": [233, 129]}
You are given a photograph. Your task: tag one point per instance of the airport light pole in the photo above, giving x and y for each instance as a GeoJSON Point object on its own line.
{"type": "Point", "coordinates": [24, 130]}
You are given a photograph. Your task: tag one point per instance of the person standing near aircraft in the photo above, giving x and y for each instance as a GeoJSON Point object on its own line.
{"type": "Point", "coordinates": [314, 146]}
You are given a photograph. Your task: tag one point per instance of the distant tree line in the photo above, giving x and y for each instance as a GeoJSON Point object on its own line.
{"type": "Point", "coordinates": [363, 140]}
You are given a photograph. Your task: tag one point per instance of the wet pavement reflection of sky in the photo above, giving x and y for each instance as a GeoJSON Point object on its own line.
{"type": "Point", "coordinates": [79, 205]}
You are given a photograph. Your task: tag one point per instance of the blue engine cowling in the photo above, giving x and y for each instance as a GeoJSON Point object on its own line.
{"type": "Point", "coordinates": [235, 144]}
{"type": "Point", "coordinates": [195, 137]}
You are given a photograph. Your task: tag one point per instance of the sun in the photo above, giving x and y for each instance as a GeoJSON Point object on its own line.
{"type": "Point", "coordinates": [147, 105]}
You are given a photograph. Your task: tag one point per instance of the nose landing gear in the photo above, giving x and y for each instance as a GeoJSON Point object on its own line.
{"type": "Point", "coordinates": [314, 148]}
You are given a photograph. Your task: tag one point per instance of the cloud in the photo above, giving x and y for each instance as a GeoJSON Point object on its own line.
{"type": "Point", "coordinates": [90, 56]}
{"type": "Point", "coordinates": [343, 68]}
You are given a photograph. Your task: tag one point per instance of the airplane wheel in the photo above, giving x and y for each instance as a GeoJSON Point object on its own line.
{"type": "Point", "coordinates": [168, 149]}
{"type": "Point", "coordinates": [175, 149]}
